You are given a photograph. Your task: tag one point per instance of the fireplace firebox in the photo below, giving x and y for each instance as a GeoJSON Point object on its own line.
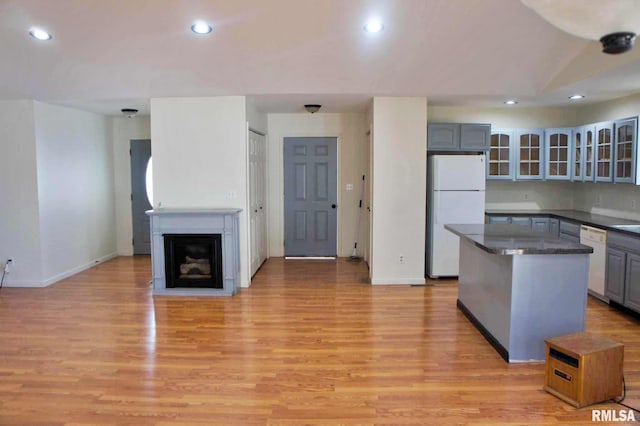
{"type": "Point", "coordinates": [193, 260]}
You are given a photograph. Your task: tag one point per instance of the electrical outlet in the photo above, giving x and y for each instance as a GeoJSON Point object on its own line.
{"type": "Point", "coordinates": [401, 259]}
{"type": "Point", "coordinates": [598, 200]}
{"type": "Point", "coordinates": [525, 195]}
{"type": "Point", "coordinates": [634, 205]}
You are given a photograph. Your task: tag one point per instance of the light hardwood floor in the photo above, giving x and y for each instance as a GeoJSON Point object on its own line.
{"type": "Point", "coordinates": [308, 343]}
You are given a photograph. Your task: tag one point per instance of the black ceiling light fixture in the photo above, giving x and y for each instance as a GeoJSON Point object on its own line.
{"type": "Point", "coordinates": [129, 112]}
{"type": "Point", "coordinates": [613, 22]}
{"type": "Point", "coordinates": [618, 42]}
{"type": "Point", "coordinates": [312, 108]}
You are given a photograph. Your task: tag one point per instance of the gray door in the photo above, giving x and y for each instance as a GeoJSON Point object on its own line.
{"type": "Point", "coordinates": [310, 178]}
{"type": "Point", "coordinates": [140, 154]}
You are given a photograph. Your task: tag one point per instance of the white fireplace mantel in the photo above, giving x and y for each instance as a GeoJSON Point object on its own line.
{"type": "Point", "coordinates": [197, 221]}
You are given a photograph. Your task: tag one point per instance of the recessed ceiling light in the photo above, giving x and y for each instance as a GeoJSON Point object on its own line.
{"type": "Point", "coordinates": [201, 27]}
{"type": "Point", "coordinates": [510, 102]}
{"type": "Point", "coordinates": [39, 34]}
{"type": "Point", "coordinates": [576, 97]}
{"type": "Point", "coordinates": [374, 26]}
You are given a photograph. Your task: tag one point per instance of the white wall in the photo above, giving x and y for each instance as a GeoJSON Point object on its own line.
{"type": "Point", "coordinates": [19, 223]}
{"type": "Point", "coordinates": [505, 117]}
{"type": "Point", "coordinates": [399, 190]}
{"type": "Point", "coordinates": [257, 120]}
{"type": "Point", "coordinates": [612, 110]}
{"type": "Point", "coordinates": [124, 130]}
{"type": "Point", "coordinates": [350, 129]}
{"type": "Point", "coordinates": [75, 190]}
{"type": "Point", "coordinates": [200, 158]}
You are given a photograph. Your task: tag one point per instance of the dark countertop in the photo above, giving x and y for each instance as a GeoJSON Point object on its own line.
{"type": "Point", "coordinates": [595, 220]}
{"type": "Point", "coordinates": [503, 239]}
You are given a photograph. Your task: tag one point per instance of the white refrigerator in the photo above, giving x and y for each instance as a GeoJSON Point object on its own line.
{"type": "Point", "coordinates": [456, 188]}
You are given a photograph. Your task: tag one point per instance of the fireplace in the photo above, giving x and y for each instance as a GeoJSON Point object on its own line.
{"type": "Point", "coordinates": [193, 260]}
{"type": "Point", "coordinates": [195, 252]}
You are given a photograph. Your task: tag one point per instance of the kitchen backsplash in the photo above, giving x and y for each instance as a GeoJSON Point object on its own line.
{"type": "Point", "coordinates": [529, 195]}
{"type": "Point", "coordinates": [618, 200]}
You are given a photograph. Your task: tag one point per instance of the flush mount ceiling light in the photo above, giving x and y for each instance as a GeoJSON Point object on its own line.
{"type": "Point", "coordinates": [201, 27]}
{"type": "Point", "coordinates": [374, 26]}
{"type": "Point", "coordinates": [129, 112]}
{"type": "Point", "coordinates": [576, 97]}
{"type": "Point", "coordinates": [510, 102]}
{"type": "Point", "coordinates": [39, 34]}
{"type": "Point", "coordinates": [613, 22]}
{"type": "Point", "coordinates": [312, 108]}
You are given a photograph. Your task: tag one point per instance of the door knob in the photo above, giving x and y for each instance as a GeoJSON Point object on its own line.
{"type": "Point", "coordinates": [333, 206]}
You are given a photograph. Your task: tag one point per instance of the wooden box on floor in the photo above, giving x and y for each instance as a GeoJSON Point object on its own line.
{"type": "Point", "coordinates": [583, 369]}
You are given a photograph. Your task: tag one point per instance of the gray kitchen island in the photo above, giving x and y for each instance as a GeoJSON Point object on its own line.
{"type": "Point", "coordinates": [519, 287]}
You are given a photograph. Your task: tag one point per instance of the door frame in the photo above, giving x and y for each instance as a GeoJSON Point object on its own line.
{"type": "Point", "coordinates": [131, 141]}
{"type": "Point", "coordinates": [338, 138]}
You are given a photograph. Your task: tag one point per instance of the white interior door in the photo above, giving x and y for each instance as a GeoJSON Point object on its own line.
{"type": "Point", "coordinates": [257, 200]}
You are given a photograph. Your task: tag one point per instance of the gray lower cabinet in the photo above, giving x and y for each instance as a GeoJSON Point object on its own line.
{"type": "Point", "coordinates": [540, 224]}
{"type": "Point", "coordinates": [632, 282]}
{"type": "Point", "coordinates": [521, 221]}
{"type": "Point", "coordinates": [569, 231]}
{"type": "Point", "coordinates": [614, 275]}
{"type": "Point", "coordinates": [458, 137]}
{"type": "Point", "coordinates": [499, 219]}
{"type": "Point", "coordinates": [622, 275]}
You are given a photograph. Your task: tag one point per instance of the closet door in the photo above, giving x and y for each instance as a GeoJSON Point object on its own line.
{"type": "Point", "coordinates": [257, 199]}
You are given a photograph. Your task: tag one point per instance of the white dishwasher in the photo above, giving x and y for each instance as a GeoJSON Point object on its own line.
{"type": "Point", "coordinates": [596, 238]}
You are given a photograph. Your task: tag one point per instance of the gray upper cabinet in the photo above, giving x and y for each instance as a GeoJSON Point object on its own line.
{"type": "Point", "coordinates": [558, 153]}
{"type": "Point", "coordinates": [500, 156]}
{"type": "Point", "coordinates": [475, 137]}
{"type": "Point", "coordinates": [604, 152]}
{"type": "Point", "coordinates": [577, 154]}
{"type": "Point", "coordinates": [554, 226]}
{"type": "Point", "coordinates": [625, 138]}
{"type": "Point", "coordinates": [458, 137]}
{"type": "Point", "coordinates": [529, 145]}
{"type": "Point", "coordinates": [443, 137]}
{"type": "Point", "coordinates": [589, 141]}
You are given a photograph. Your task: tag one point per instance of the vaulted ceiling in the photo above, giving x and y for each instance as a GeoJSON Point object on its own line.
{"type": "Point", "coordinates": [110, 54]}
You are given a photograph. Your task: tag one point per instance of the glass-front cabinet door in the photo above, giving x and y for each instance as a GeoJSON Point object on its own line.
{"type": "Point", "coordinates": [589, 140]}
{"type": "Point", "coordinates": [499, 165]}
{"type": "Point", "coordinates": [529, 154]}
{"type": "Point", "coordinates": [558, 149]}
{"type": "Point", "coordinates": [604, 151]}
{"type": "Point", "coordinates": [625, 150]}
{"type": "Point", "coordinates": [577, 154]}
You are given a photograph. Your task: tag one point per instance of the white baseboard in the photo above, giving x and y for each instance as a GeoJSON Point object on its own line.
{"type": "Point", "coordinates": [398, 281]}
{"type": "Point", "coordinates": [61, 276]}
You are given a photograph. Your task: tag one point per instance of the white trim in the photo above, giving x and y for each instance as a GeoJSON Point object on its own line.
{"type": "Point", "coordinates": [62, 276]}
{"type": "Point", "coordinates": [310, 257]}
{"type": "Point", "coordinates": [398, 281]}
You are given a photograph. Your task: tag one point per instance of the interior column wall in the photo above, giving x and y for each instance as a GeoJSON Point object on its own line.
{"type": "Point", "coordinates": [199, 151]}
{"type": "Point", "coordinates": [19, 227]}
{"type": "Point", "coordinates": [399, 190]}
